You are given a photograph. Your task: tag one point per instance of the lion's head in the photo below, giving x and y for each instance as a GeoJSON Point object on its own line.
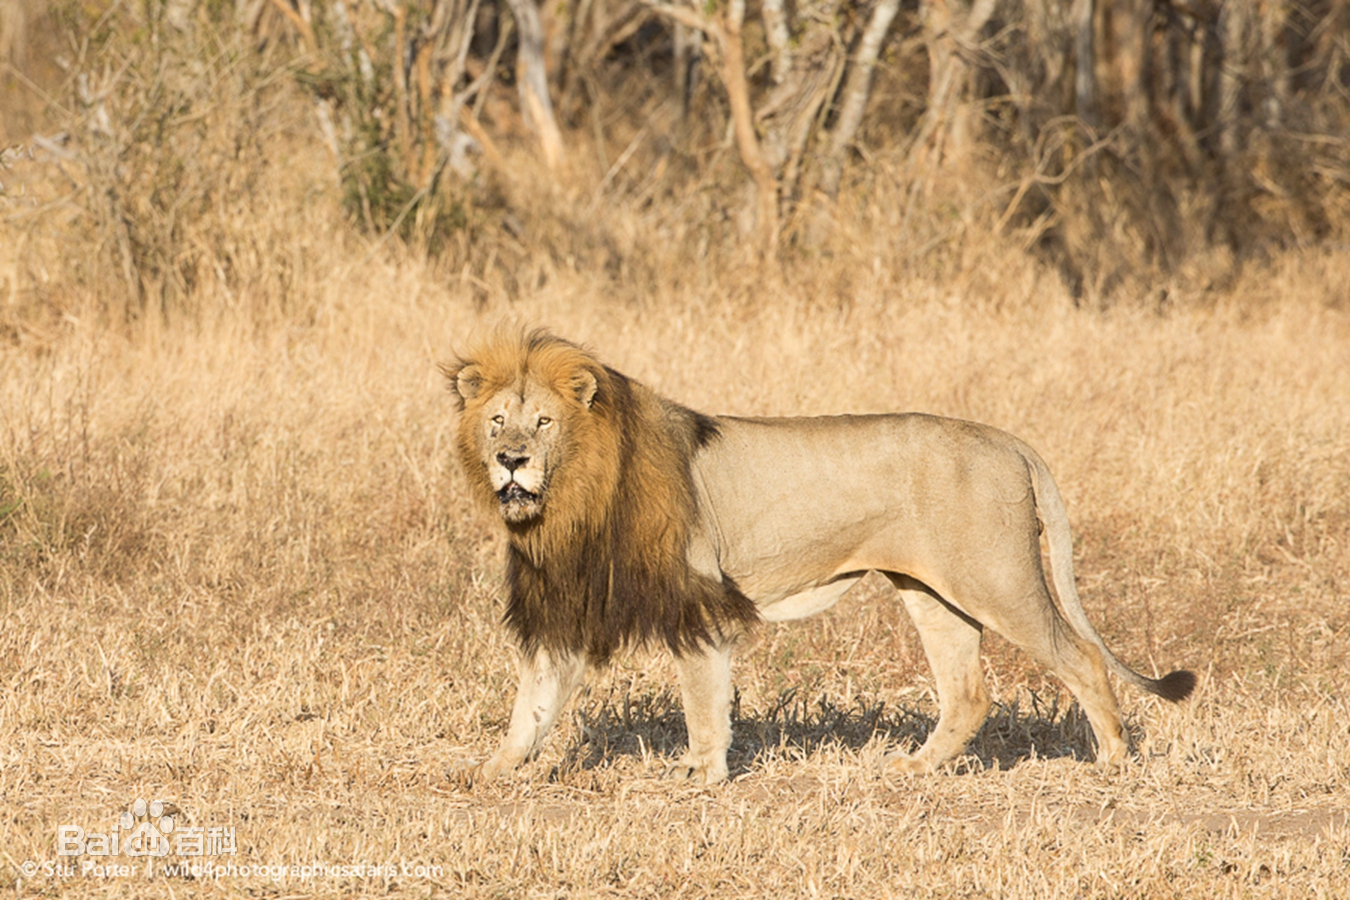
{"type": "Point", "coordinates": [521, 441]}
{"type": "Point", "coordinates": [591, 473]}
{"type": "Point", "coordinates": [532, 431]}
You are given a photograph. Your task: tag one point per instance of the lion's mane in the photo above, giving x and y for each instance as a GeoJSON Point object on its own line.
{"type": "Point", "coordinates": [605, 564]}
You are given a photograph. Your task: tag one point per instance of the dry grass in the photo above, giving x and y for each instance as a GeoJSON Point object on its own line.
{"type": "Point", "coordinates": [239, 573]}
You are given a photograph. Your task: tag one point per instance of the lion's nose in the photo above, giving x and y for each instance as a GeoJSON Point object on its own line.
{"type": "Point", "coordinates": [510, 461]}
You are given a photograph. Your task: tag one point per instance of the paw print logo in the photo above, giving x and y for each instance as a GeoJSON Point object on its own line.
{"type": "Point", "coordinates": [150, 826]}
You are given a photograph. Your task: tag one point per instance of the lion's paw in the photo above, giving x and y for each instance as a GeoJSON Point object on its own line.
{"type": "Point", "coordinates": [1111, 764]}
{"type": "Point", "coordinates": [895, 764]}
{"type": "Point", "coordinates": [696, 772]}
{"type": "Point", "coordinates": [467, 774]}
{"type": "Point", "coordinates": [462, 773]}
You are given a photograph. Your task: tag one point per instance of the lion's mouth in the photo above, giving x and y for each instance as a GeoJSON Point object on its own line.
{"type": "Point", "coordinates": [514, 493]}
{"type": "Point", "coordinates": [519, 506]}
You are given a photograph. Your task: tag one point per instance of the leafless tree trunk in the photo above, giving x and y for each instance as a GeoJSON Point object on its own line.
{"type": "Point", "coordinates": [811, 72]}
{"type": "Point", "coordinates": [449, 35]}
{"type": "Point", "coordinates": [1135, 19]}
{"type": "Point", "coordinates": [742, 116]}
{"type": "Point", "coordinates": [13, 32]}
{"type": "Point", "coordinates": [950, 29]}
{"type": "Point", "coordinates": [726, 35]}
{"type": "Point", "coordinates": [593, 28]}
{"type": "Point", "coordinates": [1084, 61]}
{"type": "Point", "coordinates": [778, 37]}
{"type": "Point", "coordinates": [1233, 26]}
{"type": "Point", "coordinates": [857, 88]}
{"type": "Point", "coordinates": [1275, 69]}
{"type": "Point", "coordinates": [688, 55]}
{"type": "Point", "coordinates": [532, 76]}
{"type": "Point", "coordinates": [1179, 90]}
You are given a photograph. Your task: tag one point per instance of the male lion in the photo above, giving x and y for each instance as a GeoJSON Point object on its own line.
{"type": "Point", "coordinates": [632, 519]}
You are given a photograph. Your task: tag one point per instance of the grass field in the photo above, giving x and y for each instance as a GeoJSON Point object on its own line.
{"type": "Point", "coordinates": [239, 575]}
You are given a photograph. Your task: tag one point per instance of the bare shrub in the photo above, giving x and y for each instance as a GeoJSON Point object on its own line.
{"type": "Point", "coordinates": [175, 137]}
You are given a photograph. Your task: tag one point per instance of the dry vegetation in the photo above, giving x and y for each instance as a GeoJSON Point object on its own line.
{"type": "Point", "coordinates": [238, 571]}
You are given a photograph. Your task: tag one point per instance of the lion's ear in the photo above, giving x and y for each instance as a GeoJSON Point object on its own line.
{"type": "Point", "coordinates": [584, 387]}
{"type": "Point", "coordinates": [468, 381]}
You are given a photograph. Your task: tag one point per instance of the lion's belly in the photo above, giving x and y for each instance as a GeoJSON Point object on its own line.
{"type": "Point", "coordinates": [808, 602]}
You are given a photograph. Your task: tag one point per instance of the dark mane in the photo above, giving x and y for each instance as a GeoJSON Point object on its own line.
{"type": "Point", "coordinates": [606, 564]}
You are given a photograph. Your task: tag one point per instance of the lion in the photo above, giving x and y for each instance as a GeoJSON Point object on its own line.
{"type": "Point", "coordinates": [632, 520]}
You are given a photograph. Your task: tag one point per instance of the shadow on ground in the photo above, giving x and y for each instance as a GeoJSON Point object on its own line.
{"type": "Point", "coordinates": [794, 727]}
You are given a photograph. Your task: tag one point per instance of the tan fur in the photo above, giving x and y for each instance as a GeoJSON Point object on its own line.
{"type": "Point", "coordinates": [635, 519]}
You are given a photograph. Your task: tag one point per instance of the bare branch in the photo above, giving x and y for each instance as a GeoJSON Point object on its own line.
{"type": "Point", "coordinates": [532, 76]}
{"type": "Point", "coordinates": [306, 32]}
{"type": "Point", "coordinates": [688, 55]}
{"type": "Point", "coordinates": [476, 89]}
{"type": "Point", "coordinates": [687, 17]}
{"type": "Point", "coordinates": [856, 91]}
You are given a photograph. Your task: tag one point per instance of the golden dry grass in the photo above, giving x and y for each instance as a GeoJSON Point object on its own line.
{"type": "Point", "coordinates": [239, 573]}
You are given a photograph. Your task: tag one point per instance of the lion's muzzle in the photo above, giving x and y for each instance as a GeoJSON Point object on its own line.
{"type": "Point", "coordinates": [519, 486]}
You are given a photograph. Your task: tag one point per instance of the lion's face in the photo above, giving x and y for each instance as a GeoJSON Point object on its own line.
{"type": "Point", "coordinates": [522, 427]}
{"type": "Point", "coordinates": [521, 448]}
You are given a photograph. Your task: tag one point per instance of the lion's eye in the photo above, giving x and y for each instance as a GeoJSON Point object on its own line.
{"type": "Point", "coordinates": [545, 421]}
{"type": "Point", "coordinates": [499, 420]}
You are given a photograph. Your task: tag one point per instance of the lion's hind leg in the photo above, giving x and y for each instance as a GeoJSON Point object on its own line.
{"type": "Point", "coordinates": [951, 641]}
{"type": "Point", "coordinates": [1079, 664]}
{"type": "Point", "coordinates": [1037, 627]}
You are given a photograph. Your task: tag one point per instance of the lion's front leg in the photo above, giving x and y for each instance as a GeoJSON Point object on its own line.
{"type": "Point", "coordinates": [705, 684]}
{"type": "Point", "coordinates": [547, 681]}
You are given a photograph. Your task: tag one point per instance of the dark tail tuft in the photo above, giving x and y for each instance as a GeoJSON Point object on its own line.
{"type": "Point", "coordinates": [1175, 686]}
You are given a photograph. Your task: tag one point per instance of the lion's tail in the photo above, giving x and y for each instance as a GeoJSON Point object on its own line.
{"type": "Point", "coordinates": [1173, 686]}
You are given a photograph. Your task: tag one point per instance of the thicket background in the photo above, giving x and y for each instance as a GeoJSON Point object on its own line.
{"type": "Point", "coordinates": [238, 569]}
{"type": "Point", "coordinates": [1143, 151]}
